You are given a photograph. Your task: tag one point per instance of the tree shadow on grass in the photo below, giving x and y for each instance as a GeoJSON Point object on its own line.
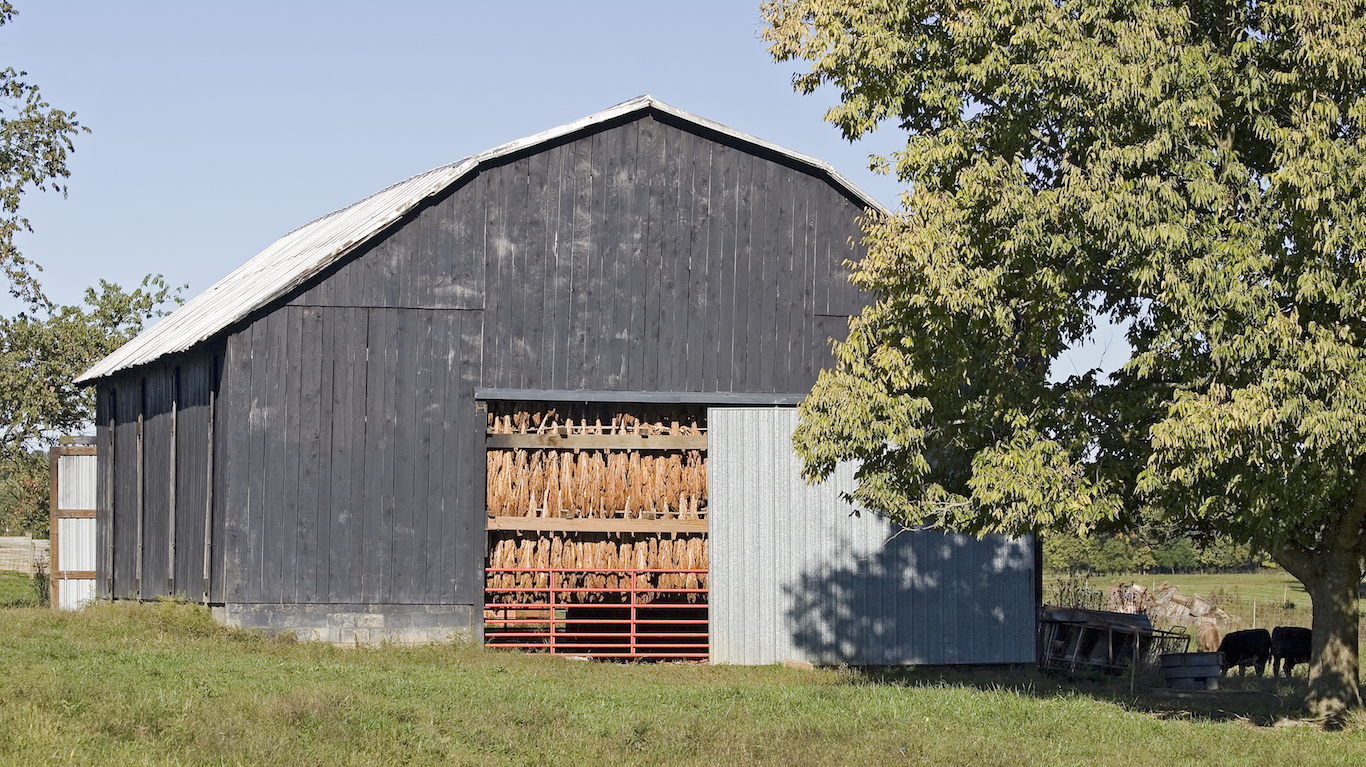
{"type": "Point", "coordinates": [1261, 701]}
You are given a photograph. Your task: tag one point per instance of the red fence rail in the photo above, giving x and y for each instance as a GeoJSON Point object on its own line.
{"type": "Point", "coordinates": [634, 619]}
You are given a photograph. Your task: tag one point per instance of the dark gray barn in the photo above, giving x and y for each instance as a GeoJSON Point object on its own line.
{"type": "Point", "coordinates": [306, 444]}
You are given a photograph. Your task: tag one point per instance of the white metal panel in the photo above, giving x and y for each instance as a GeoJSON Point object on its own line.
{"type": "Point", "coordinates": [75, 593]}
{"type": "Point", "coordinates": [308, 250]}
{"type": "Point", "coordinates": [76, 481]}
{"type": "Point", "coordinates": [76, 543]}
{"type": "Point", "coordinates": [795, 575]}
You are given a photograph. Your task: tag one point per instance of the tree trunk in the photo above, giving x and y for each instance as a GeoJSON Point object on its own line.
{"type": "Point", "coordinates": [1332, 576]}
{"type": "Point", "coordinates": [1334, 681]}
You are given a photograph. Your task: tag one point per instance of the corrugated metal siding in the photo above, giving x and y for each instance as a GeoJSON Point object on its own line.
{"type": "Point", "coordinates": [76, 484]}
{"type": "Point", "coordinates": [75, 593]}
{"type": "Point", "coordinates": [795, 576]}
{"type": "Point", "coordinates": [76, 543]}
{"type": "Point", "coordinates": [76, 537]}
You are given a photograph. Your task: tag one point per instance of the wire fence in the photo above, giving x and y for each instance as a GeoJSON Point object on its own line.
{"type": "Point", "coordinates": [22, 554]}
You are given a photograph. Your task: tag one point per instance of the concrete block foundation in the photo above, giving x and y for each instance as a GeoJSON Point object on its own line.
{"type": "Point", "coordinates": [355, 624]}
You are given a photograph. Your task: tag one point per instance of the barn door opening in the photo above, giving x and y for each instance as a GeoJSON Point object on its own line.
{"type": "Point", "coordinates": [597, 529]}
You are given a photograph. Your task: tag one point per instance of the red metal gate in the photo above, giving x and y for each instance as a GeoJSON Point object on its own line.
{"type": "Point", "coordinates": [560, 615]}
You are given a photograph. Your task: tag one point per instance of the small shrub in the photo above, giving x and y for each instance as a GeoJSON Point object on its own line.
{"type": "Point", "coordinates": [42, 587]}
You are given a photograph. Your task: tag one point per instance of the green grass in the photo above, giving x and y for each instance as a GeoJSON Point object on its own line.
{"type": "Point", "coordinates": [160, 684]}
{"type": "Point", "coordinates": [16, 590]}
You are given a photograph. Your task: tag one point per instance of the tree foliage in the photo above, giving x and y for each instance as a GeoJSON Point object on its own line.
{"type": "Point", "coordinates": [34, 142]}
{"type": "Point", "coordinates": [41, 353]}
{"type": "Point", "coordinates": [1192, 169]}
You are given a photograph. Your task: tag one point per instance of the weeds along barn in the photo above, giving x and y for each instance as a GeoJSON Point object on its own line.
{"type": "Point", "coordinates": [543, 397]}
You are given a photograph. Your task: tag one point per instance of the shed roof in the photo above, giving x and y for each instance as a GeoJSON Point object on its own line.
{"type": "Point", "coordinates": [305, 252]}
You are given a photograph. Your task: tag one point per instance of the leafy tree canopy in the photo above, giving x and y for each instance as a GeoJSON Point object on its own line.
{"type": "Point", "coordinates": [1193, 169]}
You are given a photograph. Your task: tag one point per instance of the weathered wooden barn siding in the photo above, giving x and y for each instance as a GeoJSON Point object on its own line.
{"type": "Point", "coordinates": [169, 404]}
{"type": "Point", "coordinates": [351, 450]}
{"type": "Point", "coordinates": [636, 257]}
{"type": "Point", "coordinates": [643, 257]}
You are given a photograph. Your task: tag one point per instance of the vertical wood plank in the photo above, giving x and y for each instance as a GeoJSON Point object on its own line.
{"type": "Point", "coordinates": [744, 267]}
{"type": "Point", "coordinates": [673, 267]}
{"type": "Point", "coordinates": [763, 321]}
{"type": "Point", "coordinates": [698, 263]}
{"type": "Point", "coordinates": [721, 275]}
{"type": "Point", "coordinates": [470, 538]}
{"type": "Point", "coordinates": [465, 211]}
{"type": "Point", "coordinates": [533, 365]}
{"type": "Point", "coordinates": [373, 533]}
{"type": "Point", "coordinates": [406, 456]}
{"type": "Point", "coordinates": [430, 468]}
{"type": "Point", "coordinates": [708, 282]}
{"type": "Point", "coordinates": [104, 491]}
{"type": "Point", "coordinates": [581, 318]}
{"type": "Point", "coordinates": [597, 295]}
{"type": "Point", "coordinates": [499, 254]}
{"type": "Point", "coordinates": [787, 289]}
{"type": "Point", "coordinates": [171, 483]}
{"type": "Point", "coordinates": [323, 512]}
{"type": "Point", "coordinates": [385, 575]}
{"type": "Point", "coordinates": [811, 340]}
{"type": "Point", "coordinates": [211, 471]}
{"type": "Point", "coordinates": [349, 440]}
{"type": "Point", "coordinates": [455, 473]}
{"type": "Point", "coordinates": [560, 339]}
{"type": "Point", "coordinates": [617, 262]}
{"type": "Point", "coordinates": [655, 187]}
{"type": "Point", "coordinates": [637, 186]}
{"type": "Point", "coordinates": [276, 426]}
{"type": "Point", "coordinates": [309, 554]}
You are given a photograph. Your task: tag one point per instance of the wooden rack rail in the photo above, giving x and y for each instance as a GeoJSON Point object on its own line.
{"type": "Point", "coordinates": [598, 524]}
{"type": "Point", "coordinates": [558, 441]}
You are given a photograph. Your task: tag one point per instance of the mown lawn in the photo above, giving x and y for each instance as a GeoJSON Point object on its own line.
{"type": "Point", "coordinates": [160, 684]}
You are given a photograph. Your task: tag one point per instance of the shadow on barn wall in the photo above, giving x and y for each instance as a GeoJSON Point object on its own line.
{"type": "Point", "coordinates": [922, 597]}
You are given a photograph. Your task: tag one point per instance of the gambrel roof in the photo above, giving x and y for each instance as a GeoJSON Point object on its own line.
{"type": "Point", "coordinates": [307, 251]}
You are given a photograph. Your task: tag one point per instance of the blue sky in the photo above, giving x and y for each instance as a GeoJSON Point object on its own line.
{"type": "Point", "coordinates": [218, 127]}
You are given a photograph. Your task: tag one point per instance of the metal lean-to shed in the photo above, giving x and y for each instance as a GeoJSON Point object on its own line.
{"type": "Point", "coordinates": [338, 437]}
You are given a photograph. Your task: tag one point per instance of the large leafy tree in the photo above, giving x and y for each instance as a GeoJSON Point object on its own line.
{"type": "Point", "coordinates": [1191, 169]}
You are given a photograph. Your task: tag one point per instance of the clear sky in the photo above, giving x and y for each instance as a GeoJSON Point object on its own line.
{"type": "Point", "coordinates": [219, 127]}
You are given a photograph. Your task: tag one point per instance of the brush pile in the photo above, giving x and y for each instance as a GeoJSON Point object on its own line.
{"type": "Point", "coordinates": [643, 552]}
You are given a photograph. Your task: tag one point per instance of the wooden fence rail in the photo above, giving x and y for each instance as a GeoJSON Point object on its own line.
{"type": "Point", "coordinates": [21, 554]}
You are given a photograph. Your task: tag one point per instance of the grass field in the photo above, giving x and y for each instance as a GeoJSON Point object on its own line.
{"type": "Point", "coordinates": [16, 590]}
{"type": "Point", "coordinates": [160, 684]}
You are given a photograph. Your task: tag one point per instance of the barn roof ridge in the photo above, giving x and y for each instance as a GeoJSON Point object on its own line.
{"type": "Point", "coordinates": [305, 252]}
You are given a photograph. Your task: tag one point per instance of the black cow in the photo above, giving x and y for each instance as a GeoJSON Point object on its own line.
{"type": "Point", "coordinates": [1250, 647]}
{"type": "Point", "coordinates": [1290, 645]}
